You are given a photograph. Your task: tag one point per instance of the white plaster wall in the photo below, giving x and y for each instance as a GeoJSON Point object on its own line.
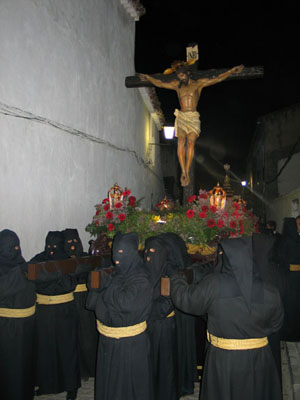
{"type": "Point", "coordinates": [289, 179]}
{"type": "Point", "coordinates": [284, 206]}
{"type": "Point", "coordinates": [62, 71]}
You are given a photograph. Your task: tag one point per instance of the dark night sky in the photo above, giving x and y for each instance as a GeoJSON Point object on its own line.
{"type": "Point", "coordinates": [227, 36]}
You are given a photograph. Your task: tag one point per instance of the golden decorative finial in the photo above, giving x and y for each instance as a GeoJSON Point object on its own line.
{"type": "Point", "coordinates": [115, 195]}
{"type": "Point", "coordinates": [217, 196]}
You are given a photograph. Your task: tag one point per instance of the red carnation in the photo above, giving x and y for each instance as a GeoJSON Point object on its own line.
{"type": "Point", "coordinates": [213, 209]}
{"type": "Point", "coordinates": [97, 212]}
{"type": "Point", "coordinates": [236, 206]}
{"type": "Point", "coordinates": [225, 215]}
{"type": "Point", "coordinates": [111, 227]}
{"type": "Point", "coordinates": [236, 214]}
{"type": "Point", "coordinates": [202, 215]}
{"type": "Point", "coordinates": [233, 224]}
{"type": "Point", "coordinates": [132, 198]}
{"type": "Point", "coordinates": [232, 233]}
{"type": "Point", "coordinates": [109, 215]}
{"type": "Point", "coordinates": [242, 230]}
{"type": "Point", "coordinates": [203, 196]}
{"type": "Point", "coordinates": [220, 223]}
{"type": "Point", "coordinates": [104, 201]}
{"type": "Point", "coordinates": [205, 208]}
{"type": "Point", "coordinates": [122, 217]}
{"type": "Point", "coordinates": [191, 198]}
{"type": "Point", "coordinates": [211, 223]}
{"type": "Point", "coordinates": [190, 213]}
{"type": "Point", "coordinates": [118, 205]}
{"type": "Point", "coordinates": [106, 207]}
{"type": "Point", "coordinates": [126, 193]}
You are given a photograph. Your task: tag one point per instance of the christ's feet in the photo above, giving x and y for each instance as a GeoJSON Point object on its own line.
{"type": "Point", "coordinates": [184, 180]}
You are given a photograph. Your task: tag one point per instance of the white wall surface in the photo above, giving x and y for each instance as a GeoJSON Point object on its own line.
{"type": "Point", "coordinates": [289, 179]}
{"type": "Point", "coordinates": [69, 129]}
{"type": "Point", "coordinates": [284, 206]}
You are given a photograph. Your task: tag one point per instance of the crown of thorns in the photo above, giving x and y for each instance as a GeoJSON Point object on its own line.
{"type": "Point", "coordinates": [179, 65]}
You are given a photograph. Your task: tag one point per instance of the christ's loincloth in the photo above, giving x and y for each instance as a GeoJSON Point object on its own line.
{"type": "Point", "coordinates": [188, 122]}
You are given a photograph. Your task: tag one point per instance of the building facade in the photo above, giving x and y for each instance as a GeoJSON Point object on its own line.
{"type": "Point", "coordinates": [69, 128]}
{"type": "Point", "coordinates": [274, 163]}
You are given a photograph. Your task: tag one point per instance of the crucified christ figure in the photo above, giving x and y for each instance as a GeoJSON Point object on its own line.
{"type": "Point", "coordinates": [187, 122]}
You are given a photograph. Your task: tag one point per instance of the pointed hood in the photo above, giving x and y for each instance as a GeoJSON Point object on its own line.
{"type": "Point", "coordinates": [72, 244]}
{"type": "Point", "coordinates": [54, 246]}
{"type": "Point", "coordinates": [289, 230]}
{"type": "Point", "coordinates": [155, 258]}
{"type": "Point", "coordinates": [10, 251]}
{"type": "Point", "coordinates": [125, 253]}
{"type": "Point", "coordinates": [177, 250]}
{"type": "Point", "coordinates": [238, 262]}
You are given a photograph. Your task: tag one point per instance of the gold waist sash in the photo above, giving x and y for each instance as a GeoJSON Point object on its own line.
{"type": "Point", "coordinates": [294, 267]}
{"type": "Point", "coordinates": [81, 287]}
{"type": "Point", "coordinates": [172, 313]}
{"type": "Point", "coordinates": [17, 312]}
{"type": "Point", "coordinates": [58, 299]}
{"type": "Point", "coordinates": [237, 344]}
{"type": "Point", "coordinates": [123, 331]}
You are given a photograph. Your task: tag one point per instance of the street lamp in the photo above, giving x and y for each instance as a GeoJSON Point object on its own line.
{"type": "Point", "coordinates": [169, 132]}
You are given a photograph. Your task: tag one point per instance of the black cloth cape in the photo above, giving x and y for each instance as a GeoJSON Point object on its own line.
{"type": "Point", "coordinates": [17, 335]}
{"type": "Point", "coordinates": [87, 332]}
{"type": "Point", "coordinates": [54, 244]}
{"type": "Point", "coordinates": [162, 330]}
{"type": "Point", "coordinates": [123, 365]}
{"type": "Point", "coordinates": [289, 253]}
{"type": "Point", "coordinates": [239, 306]}
{"type": "Point", "coordinates": [264, 246]}
{"type": "Point", "coordinates": [87, 329]}
{"type": "Point", "coordinates": [57, 327]}
{"type": "Point", "coordinates": [185, 323]}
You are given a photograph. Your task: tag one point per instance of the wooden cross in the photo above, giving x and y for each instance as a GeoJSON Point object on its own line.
{"type": "Point", "coordinates": [247, 73]}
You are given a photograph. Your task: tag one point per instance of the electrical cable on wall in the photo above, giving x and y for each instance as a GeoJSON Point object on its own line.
{"type": "Point", "coordinates": [18, 113]}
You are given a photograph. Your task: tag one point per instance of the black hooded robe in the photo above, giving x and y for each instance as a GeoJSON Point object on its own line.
{"type": "Point", "coordinates": [54, 248]}
{"type": "Point", "coordinates": [185, 323]}
{"type": "Point", "coordinates": [263, 249]}
{"type": "Point", "coordinates": [289, 255]}
{"type": "Point", "coordinates": [239, 306]}
{"type": "Point", "coordinates": [17, 335]}
{"type": "Point", "coordinates": [123, 365]}
{"type": "Point", "coordinates": [161, 324]}
{"type": "Point", "coordinates": [87, 332]}
{"type": "Point", "coordinates": [57, 326]}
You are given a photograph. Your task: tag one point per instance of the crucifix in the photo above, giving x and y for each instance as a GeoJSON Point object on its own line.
{"type": "Point", "coordinates": [188, 82]}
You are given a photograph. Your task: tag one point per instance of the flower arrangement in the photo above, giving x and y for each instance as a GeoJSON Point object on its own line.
{"type": "Point", "coordinates": [233, 220]}
{"type": "Point", "coordinates": [198, 222]}
{"type": "Point", "coordinates": [120, 217]}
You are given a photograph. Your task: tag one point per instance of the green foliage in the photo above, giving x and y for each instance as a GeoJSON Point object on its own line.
{"type": "Point", "coordinates": [196, 222]}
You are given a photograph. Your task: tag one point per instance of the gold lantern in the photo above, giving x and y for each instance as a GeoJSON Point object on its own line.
{"type": "Point", "coordinates": [217, 197]}
{"type": "Point", "coordinates": [115, 195]}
